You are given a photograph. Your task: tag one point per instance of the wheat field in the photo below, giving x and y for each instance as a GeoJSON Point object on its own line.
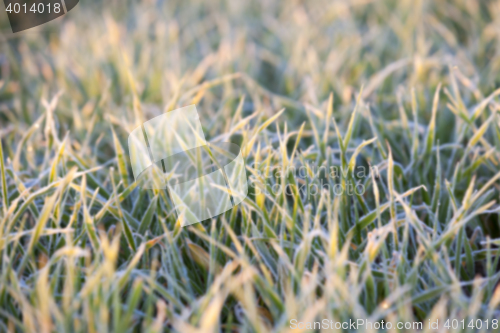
{"type": "Point", "coordinates": [371, 140]}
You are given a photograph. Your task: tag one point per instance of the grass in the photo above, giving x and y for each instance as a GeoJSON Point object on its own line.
{"type": "Point", "coordinates": [398, 96]}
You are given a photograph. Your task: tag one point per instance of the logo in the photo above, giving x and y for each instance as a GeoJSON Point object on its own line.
{"type": "Point", "coordinates": [203, 179]}
{"type": "Point", "coordinates": [26, 14]}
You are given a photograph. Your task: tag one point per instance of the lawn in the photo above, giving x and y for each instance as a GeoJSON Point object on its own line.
{"type": "Point", "coordinates": [371, 139]}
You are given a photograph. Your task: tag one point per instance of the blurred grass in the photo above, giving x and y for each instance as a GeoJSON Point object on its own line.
{"type": "Point", "coordinates": [406, 87]}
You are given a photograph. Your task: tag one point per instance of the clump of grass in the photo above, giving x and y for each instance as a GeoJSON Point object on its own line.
{"type": "Point", "coordinates": [84, 250]}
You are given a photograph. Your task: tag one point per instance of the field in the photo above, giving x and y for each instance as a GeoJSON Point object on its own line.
{"type": "Point", "coordinates": [372, 147]}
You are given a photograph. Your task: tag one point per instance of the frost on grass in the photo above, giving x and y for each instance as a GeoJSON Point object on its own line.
{"type": "Point", "coordinates": [404, 88]}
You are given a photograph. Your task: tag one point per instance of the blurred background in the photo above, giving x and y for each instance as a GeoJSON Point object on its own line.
{"type": "Point", "coordinates": [298, 50]}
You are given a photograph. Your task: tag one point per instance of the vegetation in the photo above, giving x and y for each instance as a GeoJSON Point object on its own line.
{"type": "Point", "coordinates": [397, 95]}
